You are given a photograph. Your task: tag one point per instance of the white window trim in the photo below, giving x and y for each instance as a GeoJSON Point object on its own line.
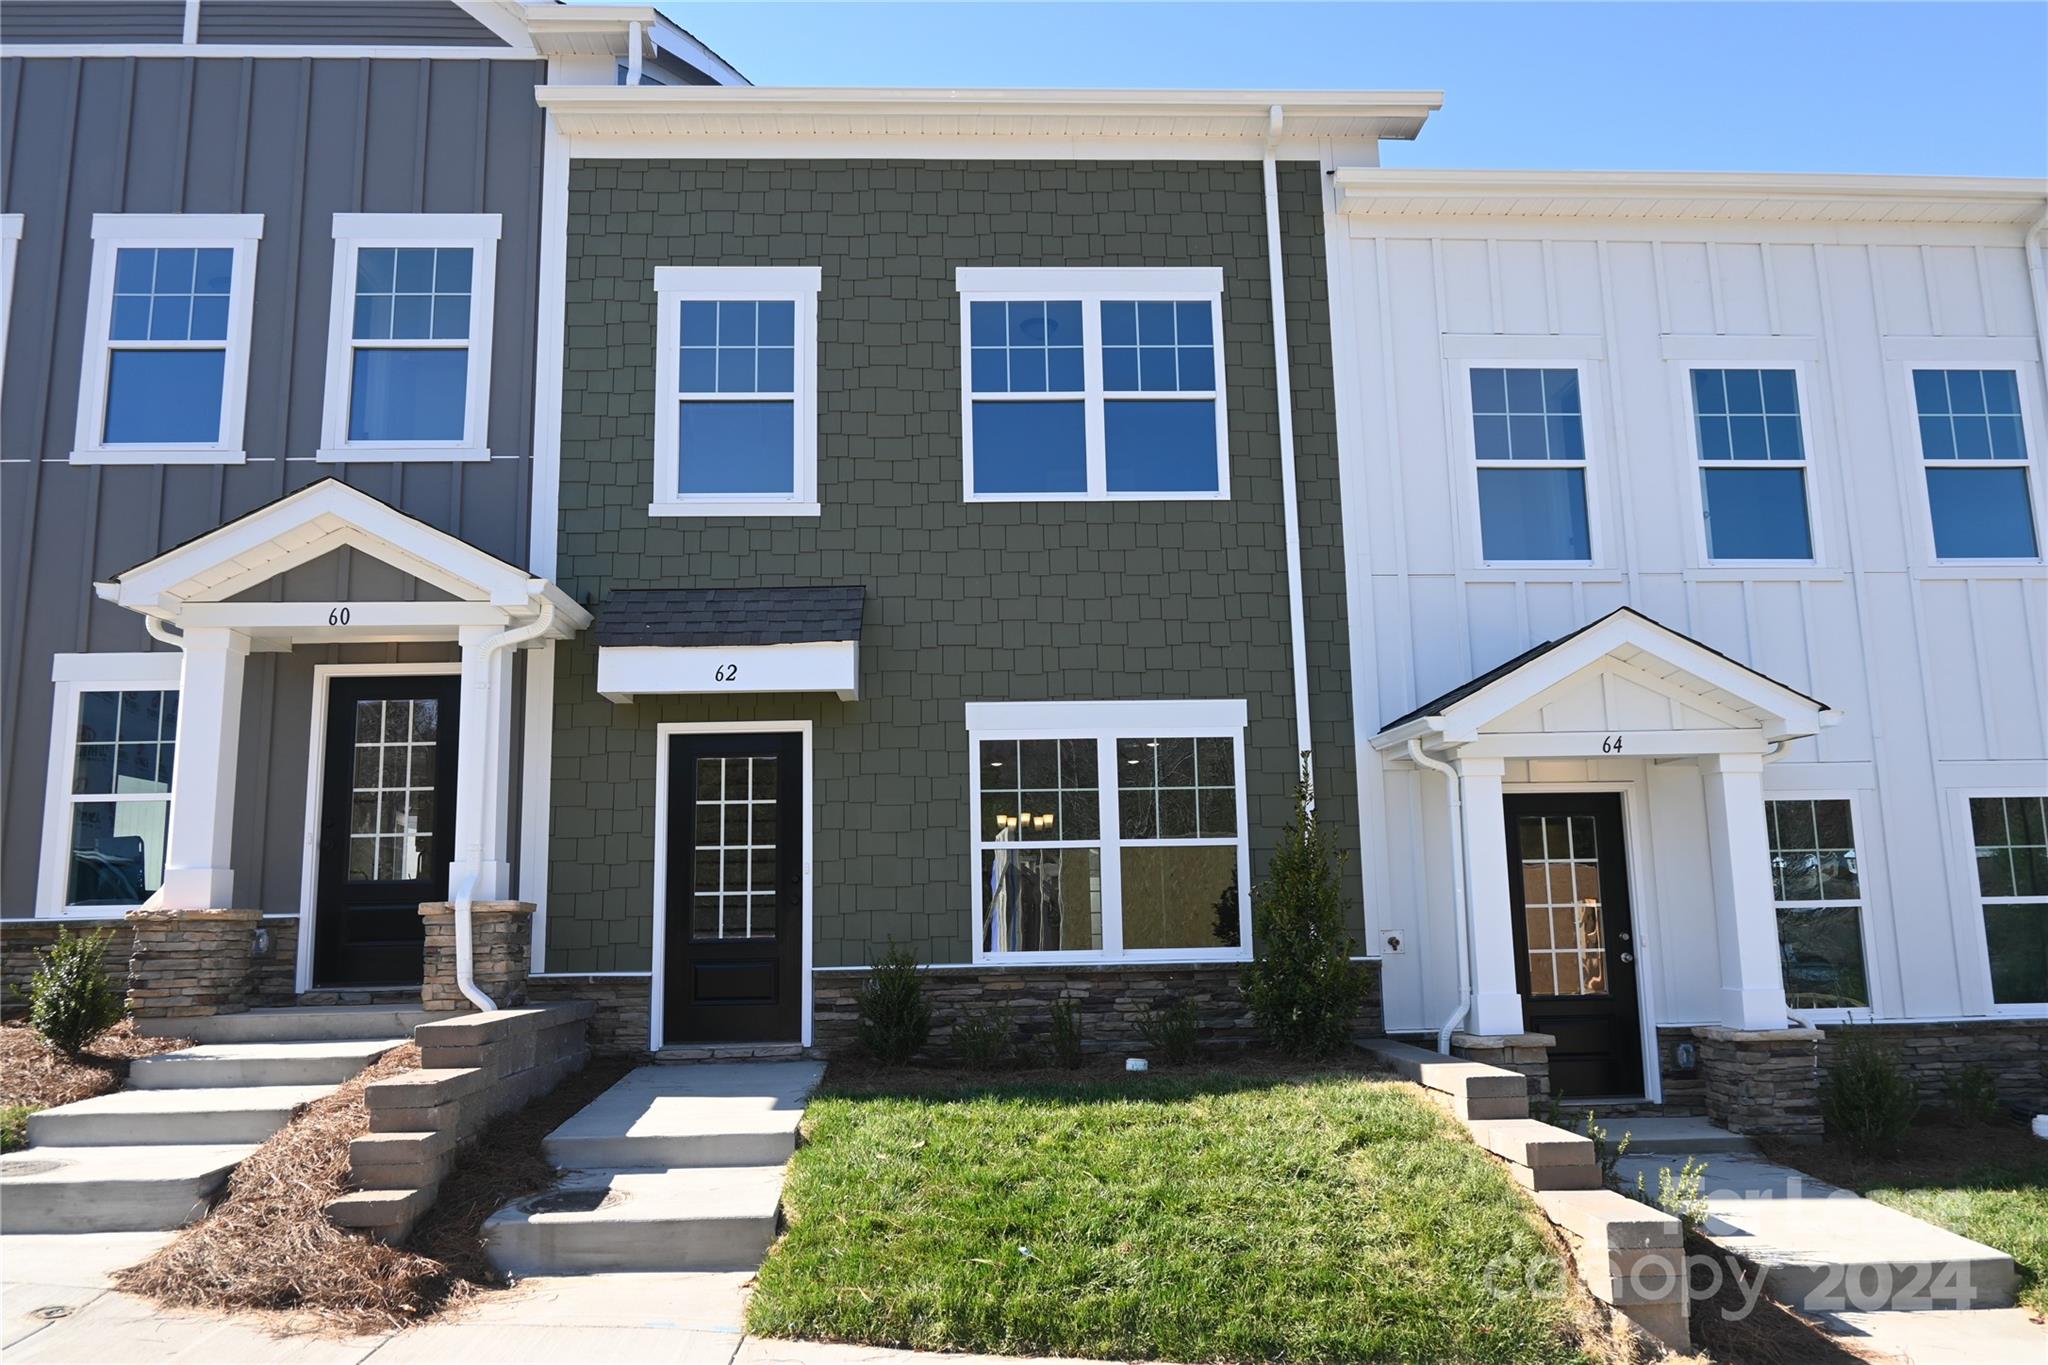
{"type": "Point", "coordinates": [354, 231]}
{"type": "Point", "coordinates": [1563, 353]}
{"type": "Point", "coordinates": [1973, 353]}
{"type": "Point", "coordinates": [1092, 286]}
{"type": "Point", "coordinates": [1973, 936]}
{"type": "Point", "coordinates": [1809, 395]}
{"type": "Point", "coordinates": [1105, 722]}
{"type": "Point", "coordinates": [10, 248]}
{"type": "Point", "coordinates": [75, 675]}
{"type": "Point", "coordinates": [673, 286]}
{"type": "Point", "coordinates": [241, 233]}
{"type": "Point", "coordinates": [1864, 875]}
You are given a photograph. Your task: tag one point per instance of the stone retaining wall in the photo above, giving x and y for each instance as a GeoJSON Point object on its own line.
{"type": "Point", "coordinates": [2014, 1051]}
{"type": "Point", "coordinates": [472, 1068]}
{"type": "Point", "coordinates": [501, 951]}
{"type": "Point", "coordinates": [1114, 1001]}
{"type": "Point", "coordinates": [273, 983]}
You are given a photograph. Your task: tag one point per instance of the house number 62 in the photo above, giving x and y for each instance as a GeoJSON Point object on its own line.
{"type": "Point", "coordinates": [725, 673]}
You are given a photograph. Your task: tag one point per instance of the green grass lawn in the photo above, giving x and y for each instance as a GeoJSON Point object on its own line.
{"type": "Point", "coordinates": [1209, 1215]}
{"type": "Point", "coordinates": [1989, 1184]}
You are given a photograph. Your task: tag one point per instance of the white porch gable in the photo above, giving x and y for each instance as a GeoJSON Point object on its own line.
{"type": "Point", "coordinates": [490, 607]}
{"type": "Point", "coordinates": [1621, 687]}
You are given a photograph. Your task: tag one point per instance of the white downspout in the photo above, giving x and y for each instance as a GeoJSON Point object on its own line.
{"type": "Point", "coordinates": [1454, 805]}
{"type": "Point", "coordinates": [472, 856]}
{"type": "Point", "coordinates": [633, 58]}
{"type": "Point", "coordinates": [1290, 500]}
{"type": "Point", "coordinates": [159, 631]}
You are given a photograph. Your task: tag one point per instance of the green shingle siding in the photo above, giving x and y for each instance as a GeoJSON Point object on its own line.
{"type": "Point", "coordinates": [966, 602]}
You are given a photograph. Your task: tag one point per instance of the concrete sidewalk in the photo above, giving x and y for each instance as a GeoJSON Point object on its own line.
{"type": "Point", "coordinates": [56, 1306]}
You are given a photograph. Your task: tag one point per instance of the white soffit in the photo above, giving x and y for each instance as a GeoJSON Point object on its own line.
{"type": "Point", "coordinates": [628, 671]}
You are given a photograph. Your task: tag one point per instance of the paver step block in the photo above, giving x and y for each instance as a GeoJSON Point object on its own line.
{"type": "Point", "coordinates": [1535, 1144]}
{"type": "Point", "coordinates": [111, 1189]}
{"type": "Point", "coordinates": [294, 1024]}
{"type": "Point", "coordinates": [716, 1218]}
{"type": "Point", "coordinates": [1557, 1177]}
{"type": "Point", "coordinates": [741, 1114]}
{"type": "Point", "coordinates": [387, 1215]}
{"type": "Point", "coordinates": [401, 1161]}
{"type": "Point", "coordinates": [155, 1118]}
{"type": "Point", "coordinates": [216, 1065]}
{"type": "Point", "coordinates": [1453, 1076]}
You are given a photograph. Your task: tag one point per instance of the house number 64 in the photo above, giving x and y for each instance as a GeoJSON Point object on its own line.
{"type": "Point", "coordinates": [1611, 744]}
{"type": "Point", "coordinates": [725, 673]}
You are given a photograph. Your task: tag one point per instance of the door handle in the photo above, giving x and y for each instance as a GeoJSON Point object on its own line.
{"type": "Point", "coordinates": [1628, 957]}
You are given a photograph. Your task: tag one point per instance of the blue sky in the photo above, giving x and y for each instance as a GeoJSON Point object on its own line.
{"type": "Point", "coordinates": [1939, 89]}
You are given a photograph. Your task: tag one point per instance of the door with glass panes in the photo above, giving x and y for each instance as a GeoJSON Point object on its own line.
{"type": "Point", "coordinates": [387, 826]}
{"type": "Point", "coordinates": [733, 960]}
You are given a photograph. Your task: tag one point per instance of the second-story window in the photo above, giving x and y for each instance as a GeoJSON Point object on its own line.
{"type": "Point", "coordinates": [735, 423]}
{"type": "Point", "coordinates": [1974, 442]}
{"type": "Point", "coordinates": [1085, 383]}
{"type": "Point", "coordinates": [1529, 439]}
{"type": "Point", "coordinates": [164, 374]}
{"type": "Point", "coordinates": [409, 337]}
{"type": "Point", "coordinates": [1752, 464]}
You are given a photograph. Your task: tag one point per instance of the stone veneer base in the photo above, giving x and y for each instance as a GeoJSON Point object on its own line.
{"type": "Point", "coordinates": [501, 952]}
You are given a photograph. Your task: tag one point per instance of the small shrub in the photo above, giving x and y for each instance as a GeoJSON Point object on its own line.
{"type": "Point", "coordinates": [1973, 1097]}
{"type": "Point", "coordinates": [1064, 1040]}
{"type": "Point", "coordinates": [1608, 1157]}
{"type": "Point", "coordinates": [985, 1040]}
{"type": "Point", "coordinates": [71, 1001]}
{"type": "Point", "coordinates": [14, 1126]}
{"type": "Point", "coordinates": [1175, 1032]}
{"type": "Point", "coordinates": [1303, 988]}
{"type": "Point", "coordinates": [1867, 1101]}
{"type": "Point", "coordinates": [1682, 1195]}
{"type": "Point", "coordinates": [895, 1018]}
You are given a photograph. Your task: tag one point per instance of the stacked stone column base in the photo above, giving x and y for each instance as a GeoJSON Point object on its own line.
{"type": "Point", "coordinates": [501, 954]}
{"type": "Point", "coordinates": [1528, 1053]}
{"type": "Point", "coordinates": [1763, 1081]}
{"type": "Point", "coordinates": [188, 963]}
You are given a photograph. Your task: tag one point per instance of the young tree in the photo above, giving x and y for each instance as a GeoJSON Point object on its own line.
{"type": "Point", "coordinates": [1303, 988]}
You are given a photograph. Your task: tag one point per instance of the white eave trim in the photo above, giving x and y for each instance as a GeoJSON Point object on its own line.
{"type": "Point", "coordinates": [1372, 192]}
{"type": "Point", "coordinates": [628, 671]}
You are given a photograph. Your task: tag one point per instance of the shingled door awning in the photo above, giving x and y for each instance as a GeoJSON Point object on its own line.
{"type": "Point", "coordinates": [687, 640]}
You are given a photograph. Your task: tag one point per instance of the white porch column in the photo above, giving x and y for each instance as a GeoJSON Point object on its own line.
{"type": "Point", "coordinates": [1496, 1002]}
{"type": "Point", "coordinates": [1745, 914]}
{"type": "Point", "coordinates": [483, 768]}
{"type": "Point", "coordinates": [199, 849]}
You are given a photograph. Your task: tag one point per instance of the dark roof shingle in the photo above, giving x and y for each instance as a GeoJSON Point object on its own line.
{"type": "Point", "coordinates": [691, 617]}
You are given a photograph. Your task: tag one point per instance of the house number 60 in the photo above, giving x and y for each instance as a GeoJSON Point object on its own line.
{"type": "Point", "coordinates": [337, 616]}
{"type": "Point", "coordinates": [726, 673]}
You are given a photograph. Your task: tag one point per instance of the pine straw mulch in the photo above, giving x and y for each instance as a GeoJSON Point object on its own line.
{"type": "Point", "coordinates": [268, 1246]}
{"type": "Point", "coordinates": [37, 1076]}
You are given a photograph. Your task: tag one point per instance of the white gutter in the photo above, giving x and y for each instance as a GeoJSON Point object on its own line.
{"type": "Point", "coordinates": [1290, 496]}
{"type": "Point", "coordinates": [2038, 294]}
{"type": "Point", "coordinates": [634, 45]}
{"type": "Point", "coordinates": [472, 856]}
{"type": "Point", "coordinates": [1454, 806]}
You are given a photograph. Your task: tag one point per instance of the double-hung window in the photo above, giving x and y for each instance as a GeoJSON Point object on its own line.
{"type": "Point", "coordinates": [1820, 903]}
{"type": "Point", "coordinates": [1974, 443]}
{"type": "Point", "coordinates": [1752, 464]}
{"type": "Point", "coordinates": [2011, 834]}
{"type": "Point", "coordinates": [165, 371]}
{"type": "Point", "coordinates": [1084, 383]}
{"type": "Point", "coordinates": [1529, 441]}
{"type": "Point", "coordinates": [1109, 830]}
{"type": "Point", "coordinates": [736, 385]}
{"type": "Point", "coordinates": [113, 753]}
{"type": "Point", "coordinates": [409, 336]}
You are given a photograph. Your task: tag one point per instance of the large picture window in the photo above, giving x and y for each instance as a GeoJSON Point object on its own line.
{"type": "Point", "coordinates": [1529, 441]}
{"type": "Point", "coordinates": [409, 339]}
{"type": "Point", "coordinates": [1974, 442]}
{"type": "Point", "coordinates": [735, 425]}
{"type": "Point", "coordinates": [113, 758]}
{"type": "Point", "coordinates": [1093, 383]}
{"type": "Point", "coordinates": [1752, 454]}
{"type": "Point", "coordinates": [1109, 830]}
{"type": "Point", "coordinates": [1820, 903]}
{"type": "Point", "coordinates": [2011, 839]}
{"type": "Point", "coordinates": [164, 374]}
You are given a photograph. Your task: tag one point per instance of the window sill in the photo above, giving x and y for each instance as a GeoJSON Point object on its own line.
{"type": "Point", "coordinates": [399, 454]}
{"type": "Point", "coordinates": [88, 912]}
{"type": "Point", "coordinates": [711, 508]}
{"type": "Point", "coordinates": [1191, 958]}
{"type": "Point", "coordinates": [1097, 497]}
{"type": "Point", "coordinates": [157, 455]}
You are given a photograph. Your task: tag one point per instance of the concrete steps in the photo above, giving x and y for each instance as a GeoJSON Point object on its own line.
{"type": "Point", "coordinates": [675, 1168]}
{"type": "Point", "coordinates": [1671, 1138]}
{"type": "Point", "coordinates": [296, 1024]}
{"type": "Point", "coordinates": [111, 1189]}
{"type": "Point", "coordinates": [156, 1118]}
{"type": "Point", "coordinates": [215, 1065]}
{"type": "Point", "coordinates": [710, 1218]}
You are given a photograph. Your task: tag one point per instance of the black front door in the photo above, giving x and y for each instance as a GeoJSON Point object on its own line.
{"type": "Point", "coordinates": [1575, 950]}
{"type": "Point", "coordinates": [387, 826]}
{"type": "Point", "coordinates": [734, 961]}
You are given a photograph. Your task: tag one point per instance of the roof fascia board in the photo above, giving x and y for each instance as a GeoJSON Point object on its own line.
{"type": "Point", "coordinates": [504, 18]}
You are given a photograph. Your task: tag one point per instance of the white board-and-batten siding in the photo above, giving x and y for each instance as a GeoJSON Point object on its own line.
{"type": "Point", "coordinates": [1937, 669]}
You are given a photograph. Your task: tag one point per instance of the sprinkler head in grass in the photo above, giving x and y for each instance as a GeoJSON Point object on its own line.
{"type": "Point", "coordinates": [1136, 1064]}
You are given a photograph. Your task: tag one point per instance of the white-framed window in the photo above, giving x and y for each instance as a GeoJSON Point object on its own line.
{"type": "Point", "coordinates": [107, 808]}
{"type": "Point", "coordinates": [1093, 383]}
{"type": "Point", "coordinates": [164, 376]}
{"type": "Point", "coordinates": [1531, 461]}
{"type": "Point", "coordinates": [1751, 443]}
{"type": "Point", "coordinates": [1973, 443]}
{"type": "Point", "coordinates": [409, 336]}
{"type": "Point", "coordinates": [1109, 831]}
{"type": "Point", "coordinates": [736, 385]}
{"type": "Point", "coordinates": [2010, 837]}
{"type": "Point", "coordinates": [1819, 894]}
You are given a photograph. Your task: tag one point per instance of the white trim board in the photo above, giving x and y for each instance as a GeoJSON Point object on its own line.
{"type": "Point", "coordinates": [627, 671]}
